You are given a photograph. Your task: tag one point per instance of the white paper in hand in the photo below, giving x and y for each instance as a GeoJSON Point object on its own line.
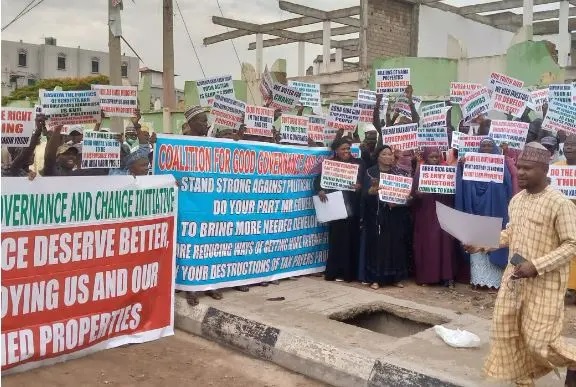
{"type": "Point", "coordinates": [473, 230]}
{"type": "Point", "coordinates": [333, 209]}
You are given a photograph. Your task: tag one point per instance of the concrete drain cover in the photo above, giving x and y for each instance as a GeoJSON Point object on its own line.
{"type": "Point", "coordinates": [388, 319]}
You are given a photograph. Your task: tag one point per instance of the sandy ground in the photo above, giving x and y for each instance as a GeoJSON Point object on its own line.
{"type": "Point", "coordinates": [463, 299]}
{"type": "Point", "coordinates": [180, 360]}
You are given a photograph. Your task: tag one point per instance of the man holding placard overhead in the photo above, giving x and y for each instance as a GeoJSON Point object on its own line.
{"type": "Point", "coordinates": [529, 310]}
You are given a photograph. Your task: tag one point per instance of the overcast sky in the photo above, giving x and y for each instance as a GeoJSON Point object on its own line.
{"type": "Point", "coordinates": [84, 23]}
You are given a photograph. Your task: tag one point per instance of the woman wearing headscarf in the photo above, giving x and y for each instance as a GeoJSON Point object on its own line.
{"type": "Point", "coordinates": [434, 249]}
{"type": "Point", "coordinates": [343, 234]}
{"type": "Point", "coordinates": [387, 227]}
{"type": "Point", "coordinates": [486, 199]}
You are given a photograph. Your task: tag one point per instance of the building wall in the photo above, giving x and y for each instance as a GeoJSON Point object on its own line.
{"type": "Point", "coordinates": [478, 39]}
{"type": "Point", "coordinates": [42, 61]}
{"type": "Point", "coordinates": [391, 29]}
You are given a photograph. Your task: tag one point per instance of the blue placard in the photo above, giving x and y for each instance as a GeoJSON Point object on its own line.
{"type": "Point", "coordinates": [245, 210]}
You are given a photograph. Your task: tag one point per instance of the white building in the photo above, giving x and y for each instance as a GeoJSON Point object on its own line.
{"type": "Point", "coordinates": [24, 63]}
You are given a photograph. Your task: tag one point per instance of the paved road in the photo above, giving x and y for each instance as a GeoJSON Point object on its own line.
{"type": "Point", "coordinates": [181, 360]}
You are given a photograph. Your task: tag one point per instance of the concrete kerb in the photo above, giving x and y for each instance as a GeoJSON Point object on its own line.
{"type": "Point", "coordinates": [302, 354]}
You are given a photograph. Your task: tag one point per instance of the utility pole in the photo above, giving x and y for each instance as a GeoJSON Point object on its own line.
{"type": "Point", "coordinates": [114, 54]}
{"type": "Point", "coordinates": [169, 93]}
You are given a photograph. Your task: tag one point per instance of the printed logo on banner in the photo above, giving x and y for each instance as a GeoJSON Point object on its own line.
{"type": "Point", "coordinates": [88, 262]}
{"type": "Point", "coordinates": [560, 116]}
{"type": "Point", "coordinates": [401, 137]}
{"type": "Point", "coordinates": [227, 112]}
{"type": "Point", "coordinates": [293, 129]}
{"type": "Point", "coordinates": [563, 178]}
{"type": "Point", "coordinates": [117, 101]}
{"type": "Point", "coordinates": [437, 179]}
{"type": "Point", "coordinates": [339, 175]}
{"type": "Point", "coordinates": [459, 89]}
{"type": "Point", "coordinates": [560, 93]}
{"type": "Point", "coordinates": [435, 137]}
{"type": "Point", "coordinates": [284, 97]}
{"type": "Point", "coordinates": [484, 167]}
{"type": "Point", "coordinates": [474, 104]}
{"type": "Point", "coordinates": [245, 211]}
{"type": "Point", "coordinates": [343, 117]}
{"type": "Point", "coordinates": [259, 121]}
{"type": "Point", "coordinates": [208, 88]}
{"type": "Point", "coordinates": [310, 93]}
{"type": "Point", "coordinates": [392, 81]}
{"type": "Point", "coordinates": [512, 133]}
{"type": "Point", "coordinates": [70, 107]}
{"type": "Point", "coordinates": [18, 124]}
{"type": "Point", "coordinates": [100, 150]}
{"type": "Point", "coordinates": [468, 143]}
{"type": "Point", "coordinates": [509, 99]}
{"type": "Point", "coordinates": [316, 128]}
{"type": "Point", "coordinates": [394, 189]}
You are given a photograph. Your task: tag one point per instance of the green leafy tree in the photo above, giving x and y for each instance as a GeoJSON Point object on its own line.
{"type": "Point", "coordinates": [31, 92]}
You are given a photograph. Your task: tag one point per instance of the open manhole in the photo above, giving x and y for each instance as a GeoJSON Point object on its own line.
{"type": "Point", "coordinates": [388, 319]}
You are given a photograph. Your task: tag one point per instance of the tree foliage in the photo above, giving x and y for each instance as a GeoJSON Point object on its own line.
{"type": "Point", "coordinates": [31, 92]}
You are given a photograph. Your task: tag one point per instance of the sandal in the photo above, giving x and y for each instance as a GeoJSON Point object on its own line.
{"type": "Point", "coordinates": [192, 298]}
{"type": "Point", "coordinates": [399, 285]}
{"type": "Point", "coordinates": [375, 286]}
{"type": "Point", "coordinates": [215, 294]}
{"type": "Point", "coordinates": [242, 288]}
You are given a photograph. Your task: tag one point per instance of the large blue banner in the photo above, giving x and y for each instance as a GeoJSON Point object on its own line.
{"type": "Point", "coordinates": [245, 210]}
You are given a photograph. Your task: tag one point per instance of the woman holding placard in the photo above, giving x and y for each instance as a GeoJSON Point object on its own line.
{"type": "Point", "coordinates": [343, 234]}
{"type": "Point", "coordinates": [387, 226]}
{"type": "Point", "coordinates": [486, 199]}
{"type": "Point", "coordinates": [434, 249]}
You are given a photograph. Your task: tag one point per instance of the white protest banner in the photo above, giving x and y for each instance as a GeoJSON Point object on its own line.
{"type": "Point", "coordinates": [512, 133]}
{"type": "Point", "coordinates": [392, 81]}
{"type": "Point", "coordinates": [366, 111]}
{"type": "Point", "coordinates": [417, 101]}
{"type": "Point", "coordinates": [468, 143]}
{"type": "Point", "coordinates": [563, 178]}
{"type": "Point", "coordinates": [394, 188]}
{"type": "Point", "coordinates": [227, 112]}
{"type": "Point", "coordinates": [509, 99]}
{"type": "Point", "coordinates": [293, 129]}
{"type": "Point", "coordinates": [316, 128]}
{"type": "Point", "coordinates": [70, 107]}
{"type": "Point", "coordinates": [434, 115]}
{"type": "Point", "coordinates": [208, 88]}
{"type": "Point", "coordinates": [284, 97]}
{"type": "Point", "coordinates": [100, 150]}
{"type": "Point", "coordinates": [17, 126]}
{"type": "Point", "coordinates": [310, 93]}
{"type": "Point", "coordinates": [459, 89]}
{"type": "Point", "coordinates": [402, 107]}
{"type": "Point", "coordinates": [437, 179]}
{"type": "Point", "coordinates": [574, 93]}
{"type": "Point", "coordinates": [484, 167]}
{"type": "Point", "coordinates": [259, 121]}
{"type": "Point", "coordinates": [339, 175]}
{"type": "Point", "coordinates": [366, 96]}
{"type": "Point", "coordinates": [88, 265]}
{"type": "Point", "coordinates": [401, 137]}
{"type": "Point", "coordinates": [475, 104]}
{"type": "Point", "coordinates": [434, 136]}
{"type": "Point", "coordinates": [560, 116]}
{"type": "Point", "coordinates": [117, 101]}
{"type": "Point", "coordinates": [537, 100]}
{"type": "Point", "coordinates": [560, 93]}
{"type": "Point", "coordinates": [456, 139]}
{"type": "Point", "coordinates": [496, 78]}
{"type": "Point", "coordinates": [266, 85]}
{"type": "Point", "coordinates": [343, 117]}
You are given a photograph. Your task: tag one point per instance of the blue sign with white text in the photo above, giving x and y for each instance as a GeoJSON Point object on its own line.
{"type": "Point", "coordinates": [245, 210]}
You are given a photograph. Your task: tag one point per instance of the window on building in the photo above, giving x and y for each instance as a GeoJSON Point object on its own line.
{"type": "Point", "coordinates": [124, 70]}
{"type": "Point", "coordinates": [22, 58]}
{"type": "Point", "coordinates": [61, 62]}
{"type": "Point", "coordinates": [95, 65]}
{"type": "Point", "coordinates": [31, 81]}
